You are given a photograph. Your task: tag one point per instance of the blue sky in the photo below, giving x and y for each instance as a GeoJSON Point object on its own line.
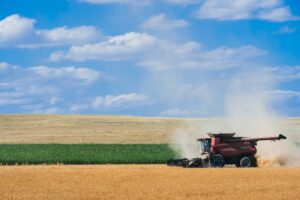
{"type": "Point", "coordinates": [182, 58]}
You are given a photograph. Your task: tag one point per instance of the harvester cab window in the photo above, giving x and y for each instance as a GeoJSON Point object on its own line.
{"type": "Point", "coordinates": [204, 145]}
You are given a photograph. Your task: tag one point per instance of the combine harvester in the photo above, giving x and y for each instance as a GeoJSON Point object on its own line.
{"type": "Point", "coordinates": [224, 148]}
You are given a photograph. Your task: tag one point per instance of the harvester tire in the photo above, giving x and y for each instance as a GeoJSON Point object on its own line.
{"type": "Point", "coordinates": [246, 161]}
{"type": "Point", "coordinates": [254, 161]}
{"type": "Point", "coordinates": [218, 161]}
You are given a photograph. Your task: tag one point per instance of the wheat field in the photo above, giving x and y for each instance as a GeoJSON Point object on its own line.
{"type": "Point", "coordinates": [85, 129]}
{"type": "Point", "coordinates": [76, 129]}
{"type": "Point", "coordinates": [129, 181]}
{"type": "Point", "coordinates": [147, 182]}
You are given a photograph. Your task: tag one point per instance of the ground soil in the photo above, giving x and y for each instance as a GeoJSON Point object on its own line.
{"type": "Point", "coordinates": [147, 182]}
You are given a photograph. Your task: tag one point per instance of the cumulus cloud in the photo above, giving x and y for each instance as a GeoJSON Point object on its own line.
{"type": "Point", "coordinates": [15, 28]}
{"type": "Point", "coordinates": [158, 54]}
{"type": "Point", "coordinates": [43, 89]}
{"type": "Point", "coordinates": [18, 31]}
{"type": "Point", "coordinates": [65, 35]}
{"type": "Point", "coordinates": [38, 88]}
{"type": "Point", "coordinates": [191, 56]}
{"type": "Point", "coordinates": [78, 73]}
{"type": "Point", "coordinates": [71, 75]}
{"type": "Point", "coordinates": [271, 10]}
{"type": "Point", "coordinates": [161, 22]}
{"type": "Point", "coordinates": [116, 48]}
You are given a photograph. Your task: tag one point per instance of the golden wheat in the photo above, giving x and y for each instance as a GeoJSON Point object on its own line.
{"type": "Point", "coordinates": [147, 182]}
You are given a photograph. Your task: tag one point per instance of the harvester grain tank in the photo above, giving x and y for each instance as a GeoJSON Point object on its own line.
{"type": "Point", "coordinates": [224, 148]}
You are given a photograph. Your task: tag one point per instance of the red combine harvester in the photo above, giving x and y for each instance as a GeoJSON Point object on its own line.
{"type": "Point", "coordinates": [224, 148]}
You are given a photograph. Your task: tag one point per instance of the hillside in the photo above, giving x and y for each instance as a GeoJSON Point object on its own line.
{"type": "Point", "coordinates": [100, 128]}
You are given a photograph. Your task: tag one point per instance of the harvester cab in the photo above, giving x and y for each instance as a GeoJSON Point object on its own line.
{"type": "Point", "coordinates": [204, 145]}
{"type": "Point", "coordinates": [223, 148]}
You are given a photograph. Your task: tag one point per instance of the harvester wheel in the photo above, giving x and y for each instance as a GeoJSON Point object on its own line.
{"type": "Point", "coordinates": [254, 161]}
{"type": "Point", "coordinates": [218, 161]}
{"type": "Point", "coordinates": [246, 161]}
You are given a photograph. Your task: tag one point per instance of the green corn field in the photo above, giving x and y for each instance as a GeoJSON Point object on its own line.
{"type": "Point", "coordinates": [11, 154]}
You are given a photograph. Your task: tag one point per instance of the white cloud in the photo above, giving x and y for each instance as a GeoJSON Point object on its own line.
{"type": "Point", "coordinates": [280, 14]}
{"type": "Point", "coordinates": [233, 55]}
{"type": "Point", "coordinates": [81, 74]}
{"type": "Point", "coordinates": [65, 35]}
{"type": "Point", "coordinates": [77, 75]}
{"type": "Point", "coordinates": [3, 66]}
{"type": "Point", "coordinates": [280, 97]}
{"type": "Point", "coordinates": [15, 28]}
{"type": "Point", "coordinates": [285, 30]}
{"type": "Point", "coordinates": [285, 73]}
{"type": "Point", "coordinates": [13, 98]}
{"type": "Point", "coordinates": [116, 48]}
{"type": "Point", "coordinates": [119, 100]}
{"type": "Point", "coordinates": [18, 31]}
{"type": "Point", "coordinates": [41, 88]}
{"type": "Point", "coordinates": [158, 54]}
{"type": "Point", "coordinates": [284, 94]}
{"type": "Point", "coordinates": [161, 22]}
{"type": "Point", "coordinates": [170, 55]}
{"type": "Point", "coordinates": [50, 90]}
{"type": "Point", "coordinates": [270, 10]}
{"type": "Point", "coordinates": [109, 103]}
{"type": "Point", "coordinates": [191, 56]}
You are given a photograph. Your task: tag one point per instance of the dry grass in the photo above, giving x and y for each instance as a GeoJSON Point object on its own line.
{"type": "Point", "coordinates": [147, 181]}
{"type": "Point", "coordinates": [85, 129]}
{"type": "Point", "coordinates": [98, 128]}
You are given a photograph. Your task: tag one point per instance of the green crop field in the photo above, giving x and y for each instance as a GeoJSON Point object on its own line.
{"type": "Point", "coordinates": [11, 154]}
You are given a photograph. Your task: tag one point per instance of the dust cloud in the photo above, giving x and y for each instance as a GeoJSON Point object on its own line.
{"type": "Point", "coordinates": [248, 112]}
